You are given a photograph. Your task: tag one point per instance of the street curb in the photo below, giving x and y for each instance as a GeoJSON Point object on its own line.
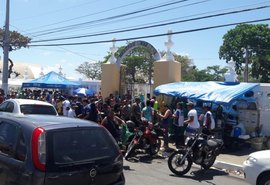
{"type": "Point", "coordinates": [228, 166]}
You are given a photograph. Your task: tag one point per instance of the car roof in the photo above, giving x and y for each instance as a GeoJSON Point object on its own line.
{"type": "Point", "coordinates": [48, 121]}
{"type": "Point", "coordinates": [29, 101]}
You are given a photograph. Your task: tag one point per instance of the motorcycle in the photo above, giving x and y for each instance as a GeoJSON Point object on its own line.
{"type": "Point", "coordinates": [200, 149]}
{"type": "Point", "coordinates": [146, 138]}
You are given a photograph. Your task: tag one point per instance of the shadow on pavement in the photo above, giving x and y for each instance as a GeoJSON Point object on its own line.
{"type": "Point", "coordinates": [203, 175]}
{"type": "Point", "coordinates": [144, 158]}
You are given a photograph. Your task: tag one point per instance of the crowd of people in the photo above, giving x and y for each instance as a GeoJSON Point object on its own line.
{"type": "Point", "coordinates": [180, 118]}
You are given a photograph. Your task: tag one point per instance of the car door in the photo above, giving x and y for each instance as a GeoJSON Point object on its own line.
{"type": "Point", "coordinates": [5, 151]}
{"type": "Point", "coordinates": [13, 154]}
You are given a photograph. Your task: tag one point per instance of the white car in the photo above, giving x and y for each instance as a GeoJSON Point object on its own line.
{"type": "Point", "coordinates": [257, 168]}
{"type": "Point", "coordinates": [27, 106]}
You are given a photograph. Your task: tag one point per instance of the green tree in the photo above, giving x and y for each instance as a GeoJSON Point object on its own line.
{"type": "Point", "coordinates": [255, 38]}
{"type": "Point", "coordinates": [195, 75]}
{"type": "Point", "coordinates": [90, 70]}
{"type": "Point", "coordinates": [17, 40]}
{"type": "Point", "coordinates": [217, 73]}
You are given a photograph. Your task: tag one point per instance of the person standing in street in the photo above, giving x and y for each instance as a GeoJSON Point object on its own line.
{"type": "Point", "coordinates": [126, 110]}
{"type": "Point", "coordinates": [93, 113]}
{"type": "Point", "coordinates": [71, 111]}
{"type": "Point", "coordinates": [208, 120]}
{"type": "Point", "coordinates": [85, 110]}
{"type": "Point", "coordinates": [192, 122]}
{"type": "Point", "coordinates": [112, 123]}
{"type": "Point", "coordinates": [165, 124]}
{"type": "Point", "coordinates": [147, 112]}
{"type": "Point", "coordinates": [179, 125]}
{"type": "Point", "coordinates": [136, 112]}
{"type": "Point", "coordinates": [66, 107]}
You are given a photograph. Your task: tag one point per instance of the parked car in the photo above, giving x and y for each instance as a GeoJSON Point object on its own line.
{"type": "Point", "coordinates": [27, 106]}
{"type": "Point", "coordinates": [53, 150]}
{"type": "Point", "coordinates": [257, 168]}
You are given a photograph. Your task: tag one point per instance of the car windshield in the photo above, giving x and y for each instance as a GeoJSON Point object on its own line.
{"type": "Point", "coordinates": [82, 146]}
{"type": "Point", "coordinates": [38, 109]}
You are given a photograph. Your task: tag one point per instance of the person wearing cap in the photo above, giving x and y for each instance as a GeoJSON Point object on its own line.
{"type": "Point", "coordinates": [192, 122]}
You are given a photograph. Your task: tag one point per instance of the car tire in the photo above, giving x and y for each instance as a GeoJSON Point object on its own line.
{"type": "Point", "coordinates": [264, 179]}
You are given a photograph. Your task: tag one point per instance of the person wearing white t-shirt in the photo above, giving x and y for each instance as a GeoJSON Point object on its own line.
{"type": "Point", "coordinates": [192, 121]}
{"type": "Point", "coordinates": [71, 111]}
{"type": "Point", "coordinates": [208, 121]}
{"type": "Point", "coordinates": [179, 125]}
{"type": "Point", "coordinates": [66, 107]}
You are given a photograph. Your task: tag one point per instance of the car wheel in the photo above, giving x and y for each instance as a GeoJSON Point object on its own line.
{"type": "Point", "coordinates": [265, 179]}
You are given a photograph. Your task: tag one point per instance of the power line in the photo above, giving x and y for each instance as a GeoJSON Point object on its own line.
{"type": "Point", "coordinates": [76, 53]}
{"type": "Point", "coordinates": [96, 13]}
{"type": "Point", "coordinates": [64, 49]}
{"type": "Point", "coordinates": [164, 21]}
{"type": "Point", "coordinates": [151, 36]}
{"type": "Point", "coordinates": [60, 29]}
{"type": "Point", "coordinates": [153, 26]}
{"type": "Point", "coordinates": [129, 18]}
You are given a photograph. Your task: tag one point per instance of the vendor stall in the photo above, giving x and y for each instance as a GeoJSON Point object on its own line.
{"type": "Point", "coordinates": [217, 92]}
{"type": "Point", "coordinates": [241, 113]}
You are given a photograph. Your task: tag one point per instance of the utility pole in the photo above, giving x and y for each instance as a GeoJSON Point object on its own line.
{"type": "Point", "coordinates": [6, 45]}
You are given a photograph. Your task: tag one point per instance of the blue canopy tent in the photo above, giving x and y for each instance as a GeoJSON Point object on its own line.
{"type": "Point", "coordinates": [52, 80]}
{"type": "Point", "coordinates": [217, 92]}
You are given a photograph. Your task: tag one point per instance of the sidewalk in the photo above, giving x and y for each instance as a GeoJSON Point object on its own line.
{"type": "Point", "coordinates": [233, 160]}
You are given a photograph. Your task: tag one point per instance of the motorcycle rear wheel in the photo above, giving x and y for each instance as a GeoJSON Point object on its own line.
{"type": "Point", "coordinates": [154, 148]}
{"type": "Point", "coordinates": [175, 165]}
{"type": "Point", "coordinates": [208, 164]}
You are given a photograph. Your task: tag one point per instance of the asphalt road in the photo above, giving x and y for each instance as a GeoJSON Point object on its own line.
{"type": "Point", "coordinates": [147, 171]}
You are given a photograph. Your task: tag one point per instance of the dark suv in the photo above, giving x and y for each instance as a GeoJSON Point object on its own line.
{"type": "Point", "coordinates": [56, 150]}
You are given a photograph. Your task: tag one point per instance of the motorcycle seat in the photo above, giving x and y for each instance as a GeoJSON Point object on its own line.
{"type": "Point", "coordinates": [218, 141]}
{"type": "Point", "coordinates": [212, 143]}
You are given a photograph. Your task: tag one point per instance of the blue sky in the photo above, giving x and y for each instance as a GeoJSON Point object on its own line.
{"type": "Point", "coordinates": [32, 17]}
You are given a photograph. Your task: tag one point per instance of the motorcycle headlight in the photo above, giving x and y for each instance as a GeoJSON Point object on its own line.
{"type": "Point", "coordinates": [251, 160]}
{"type": "Point", "coordinates": [188, 141]}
